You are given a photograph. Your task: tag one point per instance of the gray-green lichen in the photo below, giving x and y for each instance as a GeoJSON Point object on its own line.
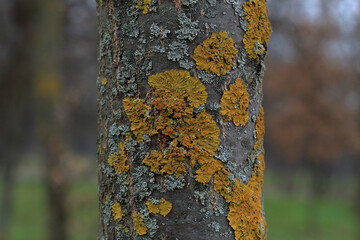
{"type": "Point", "coordinates": [237, 6]}
{"type": "Point", "coordinates": [213, 204]}
{"type": "Point", "coordinates": [159, 49]}
{"type": "Point", "coordinates": [126, 73]}
{"type": "Point", "coordinates": [215, 226]}
{"type": "Point", "coordinates": [131, 29]}
{"type": "Point", "coordinates": [188, 30]}
{"type": "Point", "coordinates": [189, 3]}
{"type": "Point", "coordinates": [223, 153]}
{"type": "Point", "coordinates": [141, 180]}
{"type": "Point", "coordinates": [178, 52]}
{"type": "Point", "coordinates": [122, 186]}
{"type": "Point", "coordinates": [212, 2]}
{"type": "Point", "coordinates": [206, 78]}
{"type": "Point", "coordinates": [158, 32]}
{"type": "Point", "coordinates": [210, 12]}
{"type": "Point", "coordinates": [171, 182]}
{"type": "Point", "coordinates": [150, 223]}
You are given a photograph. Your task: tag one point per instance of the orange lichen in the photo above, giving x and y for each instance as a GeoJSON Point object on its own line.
{"type": "Point", "coordinates": [216, 54]}
{"type": "Point", "coordinates": [260, 129]}
{"type": "Point", "coordinates": [245, 205]}
{"type": "Point", "coordinates": [171, 162]}
{"type": "Point", "coordinates": [177, 85]}
{"type": "Point", "coordinates": [195, 136]}
{"type": "Point", "coordinates": [234, 104]}
{"type": "Point", "coordinates": [258, 28]}
{"type": "Point", "coordinates": [139, 115]}
{"type": "Point", "coordinates": [209, 166]}
{"type": "Point", "coordinates": [153, 160]}
{"type": "Point", "coordinates": [164, 207]}
{"type": "Point", "coordinates": [117, 212]}
{"type": "Point", "coordinates": [144, 5]}
{"type": "Point", "coordinates": [139, 225]}
{"type": "Point", "coordinates": [119, 161]}
{"type": "Point", "coordinates": [260, 125]}
{"type": "Point", "coordinates": [104, 81]}
{"type": "Point", "coordinates": [175, 96]}
{"type": "Point", "coordinates": [128, 137]}
{"type": "Point", "coordinates": [191, 138]}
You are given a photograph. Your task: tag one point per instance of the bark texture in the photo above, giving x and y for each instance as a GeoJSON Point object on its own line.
{"type": "Point", "coordinates": [180, 128]}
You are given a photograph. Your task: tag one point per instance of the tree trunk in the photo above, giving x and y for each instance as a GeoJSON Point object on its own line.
{"type": "Point", "coordinates": [48, 87]}
{"type": "Point", "coordinates": [14, 94]}
{"type": "Point", "coordinates": [180, 127]}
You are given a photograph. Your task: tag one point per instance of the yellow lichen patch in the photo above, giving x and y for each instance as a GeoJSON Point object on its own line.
{"type": "Point", "coordinates": [258, 28]}
{"type": "Point", "coordinates": [191, 136]}
{"type": "Point", "coordinates": [164, 207]}
{"type": "Point", "coordinates": [128, 137]}
{"type": "Point", "coordinates": [176, 94]}
{"type": "Point", "coordinates": [139, 225]}
{"type": "Point", "coordinates": [171, 162]}
{"type": "Point", "coordinates": [144, 5]}
{"type": "Point", "coordinates": [175, 85]}
{"type": "Point", "coordinates": [153, 160]}
{"type": "Point", "coordinates": [260, 129]}
{"type": "Point", "coordinates": [216, 54]}
{"type": "Point", "coordinates": [245, 205]}
{"type": "Point", "coordinates": [260, 125]}
{"type": "Point", "coordinates": [188, 137]}
{"type": "Point", "coordinates": [117, 212]}
{"type": "Point", "coordinates": [222, 182]}
{"type": "Point", "coordinates": [119, 161]}
{"type": "Point", "coordinates": [139, 115]}
{"type": "Point", "coordinates": [206, 133]}
{"type": "Point", "coordinates": [104, 80]}
{"type": "Point", "coordinates": [234, 103]}
{"type": "Point", "coordinates": [126, 230]}
{"type": "Point", "coordinates": [209, 166]}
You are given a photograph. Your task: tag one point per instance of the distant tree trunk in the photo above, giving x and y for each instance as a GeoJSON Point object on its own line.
{"type": "Point", "coordinates": [181, 127]}
{"type": "Point", "coordinates": [47, 83]}
{"type": "Point", "coordinates": [357, 197]}
{"type": "Point", "coordinates": [14, 85]}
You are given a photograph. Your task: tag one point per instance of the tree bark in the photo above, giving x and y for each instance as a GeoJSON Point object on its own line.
{"type": "Point", "coordinates": [180, 126]}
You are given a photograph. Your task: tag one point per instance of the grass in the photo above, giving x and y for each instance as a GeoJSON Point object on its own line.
{"type": "Point", "coordinates": [288, 216]}
{"type": "Point", "coordinates": [299, 219]}
{"type": "Point", "coordinates": [29, 211]}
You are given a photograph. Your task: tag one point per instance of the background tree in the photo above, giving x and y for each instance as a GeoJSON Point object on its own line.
{"type": "Point", "coordinates": [18, 19]}
{"type": "Point", "coordinates": [180, 120]}
{"type": "Point", "coordinates": [313, 95]}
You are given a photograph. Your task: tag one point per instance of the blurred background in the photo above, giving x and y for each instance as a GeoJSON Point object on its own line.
{"type": "Point", "coordinates": [48, 70]}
